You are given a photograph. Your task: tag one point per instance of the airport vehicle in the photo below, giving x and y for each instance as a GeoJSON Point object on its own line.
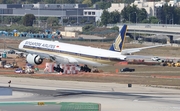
{"type": "Point", "coordinates": [8, 66]}
{"type": "Point", "coordinates": [64, 53]}
{"type": "Point", "coordinates": [11, 52]}
{"type": "Point", "coordinates": [85, 68]}
{"type": "Point", "coordinates": [19, 70]}
{"type": "Point", "coordinates": [127, 69]}
{"type": "Point", "coordinates": [155, 58]}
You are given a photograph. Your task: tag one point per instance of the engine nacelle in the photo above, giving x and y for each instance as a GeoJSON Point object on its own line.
{"type": "Point", "coordinates": [34, 59]}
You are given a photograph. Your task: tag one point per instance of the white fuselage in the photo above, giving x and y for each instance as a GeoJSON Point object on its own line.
{"type": "Point", "coordinates": [58, 47]}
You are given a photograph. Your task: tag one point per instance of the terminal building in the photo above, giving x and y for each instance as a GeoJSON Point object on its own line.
{"type": "Point", "coordinates": [73, 13]}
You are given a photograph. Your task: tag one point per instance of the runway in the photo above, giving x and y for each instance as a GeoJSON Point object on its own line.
{"type": "Point", "coordinates": [111, 96]}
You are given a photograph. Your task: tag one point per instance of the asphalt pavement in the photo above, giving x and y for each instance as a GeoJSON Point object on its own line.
{"type": "Point", "coordinates": [111, 96]}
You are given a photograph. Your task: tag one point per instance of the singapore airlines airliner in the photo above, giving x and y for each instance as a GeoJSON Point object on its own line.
{"type": "Point", "coordinates": [64, 53]}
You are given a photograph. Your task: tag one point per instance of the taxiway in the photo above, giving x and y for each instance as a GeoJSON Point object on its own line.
{"type": "Point", "coordinates": [111, 96]}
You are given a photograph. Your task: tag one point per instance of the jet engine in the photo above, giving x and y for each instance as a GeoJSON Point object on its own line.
{"type": "Point", "coordinates": [34, 59]}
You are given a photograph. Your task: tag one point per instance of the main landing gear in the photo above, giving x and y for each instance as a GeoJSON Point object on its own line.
{"type": "Point", "coordinates": [85, 68]}
{"type": "Point", "coordinates": [58, 69]}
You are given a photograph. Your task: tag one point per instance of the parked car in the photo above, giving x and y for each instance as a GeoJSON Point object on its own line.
{"type": "Point", "coordinates": [8, 66]}
{"type": "Point", "coordinates": [155, 58]}
{"type": "Point", "coordinates": [19, 70]}
{"type": "Point", "coordinates": [11, 52]}
{"type": "Point", "coordinates": [127, 69]}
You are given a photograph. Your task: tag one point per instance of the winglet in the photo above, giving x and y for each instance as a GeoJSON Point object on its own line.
{"type": "Point", "coordinates": [119, 41]}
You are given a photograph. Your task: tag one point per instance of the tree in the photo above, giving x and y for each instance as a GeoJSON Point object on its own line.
{"type": "Point", "coordinates": [28, 19]}
{"type": "Point", "coordinates": [114, 17]}
{"type": "Point", "coordinates": [83, 20]}
{"type": "Point", "coordinates": [7, 20]}
{"type": "Point", "coordinates": [142, 15]}
{"type": "Point", "coordinates": [153, 20]}
{"type": "Point", "coordinates": [129, 13]}
{"type": "Point", "coordinates": [65, 20]}
{"type": "Point", "coordinates": [104, 5]}
{"type": "Point", "coordinates": [167, 13]}
{"type": "Point", "coordinates": [94, 1]}
{"type": "Point", "coordinates": [87, 28]}
{"type": "Point", "coordinates": [17, 19]}
{"type": "Point", "coordinates": [177, 16]}
{"type": "Point", "coordinates": [127, 1]}
{"type": "Point", "coordinates": [115, 28]}
{"type": "Point", "coordinates": [53, 21]}
{"type": "Point", "coordinates": [89, 2]}
{"type": "Point", "coordinates": [50, 1]}
{"type": "Point", "coordinates": [133, 14]}
{"type": "Point", "coordinates": [145, 21]}
{"type": "Point", "coordinates": [105, 17]}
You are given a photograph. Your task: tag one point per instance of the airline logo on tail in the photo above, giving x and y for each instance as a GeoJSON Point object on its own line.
{"type": "Point", "coordinates": [119, 41]}
{"type": "Point", "coordinates": [116, 43]}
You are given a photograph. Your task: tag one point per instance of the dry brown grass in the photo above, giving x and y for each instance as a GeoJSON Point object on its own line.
{"type": "Point", "coordinates": [148, 75]}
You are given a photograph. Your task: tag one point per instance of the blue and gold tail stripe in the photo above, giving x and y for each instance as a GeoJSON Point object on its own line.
{"type": "Point", "coordinates": [116, 43]}
{"type": "Point", "coordinates": [119, 41]}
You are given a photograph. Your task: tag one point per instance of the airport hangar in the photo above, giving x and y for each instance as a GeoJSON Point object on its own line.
{"type": "Point", "coordinates": [71, 12]}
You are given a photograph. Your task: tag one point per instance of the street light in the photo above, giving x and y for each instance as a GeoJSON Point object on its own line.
{"type": "Point", "coordinates": [172, 15]}
{"type": "Point", "coordinates": [159, 22]}
{"type": "Point", "coordinates": [170, 21]}
{"type": "Point", "coordinates": [38, 16]}
{"type": "Point", "coordinates": [172, 18]}
{"type": "Point", "coordinates": [77, 14]}
{"type": "Point", "coordinates": [130, 16]}
{"type": "Point", "coordinates": [62, 12]}
{"type": "Point", "coordinates": [136, 18]}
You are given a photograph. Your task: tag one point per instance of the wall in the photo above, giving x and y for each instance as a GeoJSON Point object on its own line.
{"type": "Point", "coordinates": [73, 29]}
{"type": "Point", "coordinates": [69, 34]}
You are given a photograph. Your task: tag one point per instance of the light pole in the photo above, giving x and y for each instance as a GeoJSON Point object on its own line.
{"type": "Point", "coordinates": [11, 21]}
{"type": "Point", "coordinates": [136, 17]}
{"type": "Point", "coordinates": [172, 15]}
{"type": "Point", "coordinates": [170, 21]}
{"type": "Point", "coordinates": [159, 22]}
{"type": "Point", "coordinates": [119, 18]}
{"type": "Point", "coordinates": [130, 16]}
{"type": "Point", "coordinates": [38, 15]}
{"type": "Point", "coordinates": [172, 18]}
{"type": "Point", "coordinates": [62, 12]}
{"type": "Point", "coordinates": [77, 14]}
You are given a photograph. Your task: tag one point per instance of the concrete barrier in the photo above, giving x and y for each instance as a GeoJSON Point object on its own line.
{"type": "Point", "coordinates": [5, 91]}
{"type": "Point", "coordinates": [69, 34]}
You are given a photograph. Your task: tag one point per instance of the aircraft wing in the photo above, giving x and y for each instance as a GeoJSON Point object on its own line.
{"type": "Point", "coordinates": [133, 50]}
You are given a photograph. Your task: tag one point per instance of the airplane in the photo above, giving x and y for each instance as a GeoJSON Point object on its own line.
{"type": "Point", "coordinates": [64, 53]}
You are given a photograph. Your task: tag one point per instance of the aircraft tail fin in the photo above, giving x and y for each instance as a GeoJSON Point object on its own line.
{"type": "Point", "coordinates": [119, 41]}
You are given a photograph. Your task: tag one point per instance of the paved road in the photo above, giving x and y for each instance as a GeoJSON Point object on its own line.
{"type": "Point", "coordinates": [111, 96]}
{"type": "Point", "coordinates": [30, 108]}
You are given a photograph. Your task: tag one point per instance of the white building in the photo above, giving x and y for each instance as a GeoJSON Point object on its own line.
{"type": "Point", "coordinates": [151, 6]}
{"type": "Point", "coordinates": [93, 13]}
{"type": "Point", "coordinates": [148, 6]}
{"type": "Point", "coordinates": [117, 7]}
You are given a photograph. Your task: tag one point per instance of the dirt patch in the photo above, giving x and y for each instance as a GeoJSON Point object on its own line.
{"type": "Point", "coordinates": [147, 75]}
